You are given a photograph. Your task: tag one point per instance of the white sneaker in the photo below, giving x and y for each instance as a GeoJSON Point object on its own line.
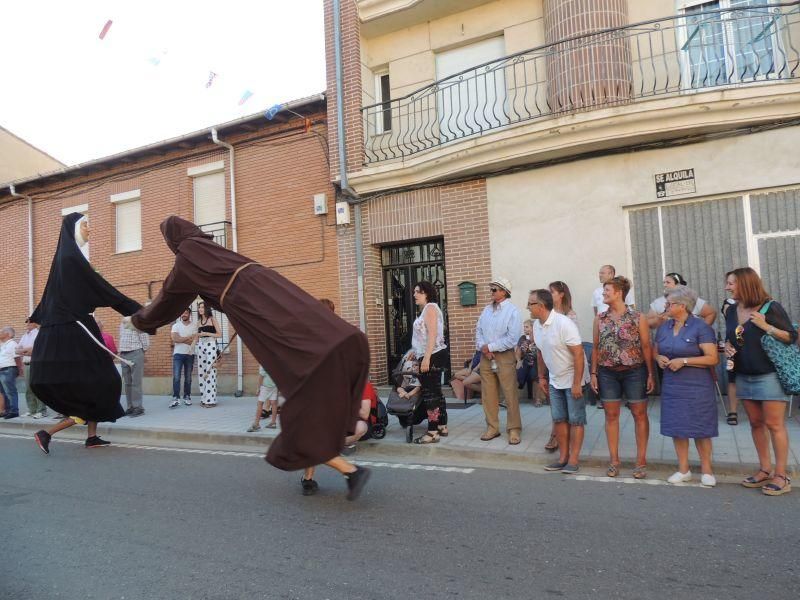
{"type": "Point", "coordinates": [174, 404]}
{"type": "Point", "coordinates": [187, 401]}
{"type": "Point", "coordinates": [39, 415]}
{"type": "Point", "coordinates": [708, 480]}
{"type": "Point", "coordinates": [678, 477]}
{"type": "Point", "coordinates": [28, 414]}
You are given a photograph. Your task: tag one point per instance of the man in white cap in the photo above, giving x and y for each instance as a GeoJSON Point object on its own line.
{"type": "Point", "coordinates": [499, 328]}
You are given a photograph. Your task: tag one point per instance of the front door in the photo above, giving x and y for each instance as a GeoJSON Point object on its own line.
{"type": "Point", "coordinates": [403, 267]}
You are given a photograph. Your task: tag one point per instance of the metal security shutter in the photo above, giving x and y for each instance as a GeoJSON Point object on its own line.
{"type": "Point", "coordinates": [209, 198]}
{"type": "Point", "coordinates": [702, 242]}
{"type": "Point", "coordinates": [779, 258]}
{"type": "Point", "coordinates": [775, 211]}
{"type": "Point", "coordinates": [646, 251]}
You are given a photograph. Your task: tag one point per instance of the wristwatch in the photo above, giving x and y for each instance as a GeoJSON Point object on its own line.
{"type": "Point", "coordinates": [685, 361]}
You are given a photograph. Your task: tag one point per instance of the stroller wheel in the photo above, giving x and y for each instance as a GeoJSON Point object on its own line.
{"type": "Point", "coordinates": [379, 432]}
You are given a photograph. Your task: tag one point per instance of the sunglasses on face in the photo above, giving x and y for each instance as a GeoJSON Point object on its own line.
{"type": "Point", "coordinates": [493, 290]}
{"type": "Point", "coordinates": [533, 303]}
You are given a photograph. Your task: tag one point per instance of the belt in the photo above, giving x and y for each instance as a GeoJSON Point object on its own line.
{"type": "Point", "coordinates": [231, 280]}
{"type": "Point", "coordinates": [621, 368]}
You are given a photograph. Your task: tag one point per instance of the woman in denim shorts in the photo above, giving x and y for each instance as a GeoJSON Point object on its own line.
{"type": "Point", "coordinates": [622, 366]}
{"type": "Point", "coordinates": [757, 386]}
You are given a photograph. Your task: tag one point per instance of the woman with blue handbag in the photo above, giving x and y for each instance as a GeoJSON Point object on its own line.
{"type": "Point", "coordinates": [757, 382]}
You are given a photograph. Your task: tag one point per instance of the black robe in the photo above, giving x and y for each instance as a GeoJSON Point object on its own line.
{"type": "Point", "coordinates": [319, 361]}
{"type": "Point", "coordinates": [69, 372]}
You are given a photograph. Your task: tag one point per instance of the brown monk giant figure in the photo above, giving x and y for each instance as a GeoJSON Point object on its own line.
{"type": "Point", "coordinates": [321, 376]}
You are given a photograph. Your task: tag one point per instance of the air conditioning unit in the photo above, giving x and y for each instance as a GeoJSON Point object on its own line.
{"type": "Point", "coordinates": [320, 204]}
{"type": "Point", "coordinates": [342, 213]}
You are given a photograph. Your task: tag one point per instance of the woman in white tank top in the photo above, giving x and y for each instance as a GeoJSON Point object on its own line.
{"type": "Point", "coordinates": [427, 342]}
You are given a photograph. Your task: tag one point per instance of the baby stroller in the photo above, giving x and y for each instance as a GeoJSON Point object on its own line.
{"type": "Point", "coordinates": [409, 411]}
{"type": "Point", "coordinates": [378, 418]}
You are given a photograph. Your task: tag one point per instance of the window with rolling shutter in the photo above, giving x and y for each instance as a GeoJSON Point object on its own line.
{"type": "Point", "coordinates": [129, 226]}
{"type": "Point", "coordinates": [209, 200]}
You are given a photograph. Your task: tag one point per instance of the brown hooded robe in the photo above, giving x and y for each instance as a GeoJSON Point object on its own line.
{"type": "Point", "coordinates": [319, 361]}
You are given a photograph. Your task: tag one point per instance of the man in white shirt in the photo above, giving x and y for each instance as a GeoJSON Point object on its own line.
{"type": "Point", "coordinates": [561, 351]}
{"type": "Point", "coordinates": [606, 273]}
{"type": "Point", "coordinates": [36, 407]}
{"type": "Point", "coordinates": [183, 337]}
{"type": "Point", "coordinates": [499, 329]}
{"type": "Point", "coordinates": [9, 372]}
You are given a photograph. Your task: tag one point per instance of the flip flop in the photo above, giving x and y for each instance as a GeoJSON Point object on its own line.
{"type": "Point", "coordinates": [487, 437]}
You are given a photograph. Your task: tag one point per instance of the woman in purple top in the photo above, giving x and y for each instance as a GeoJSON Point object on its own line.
{"type": "Point", "coordinates": [687, 351]}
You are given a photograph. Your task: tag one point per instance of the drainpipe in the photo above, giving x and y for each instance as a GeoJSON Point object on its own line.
{"type": "Point", "coordinates": [346, 189]}
{"type": "Point", "coordinates": [235, 237]}
{"type": "Point", "coordinates": [30, 244]}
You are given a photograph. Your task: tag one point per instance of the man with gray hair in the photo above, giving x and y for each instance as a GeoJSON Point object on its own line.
{"type": "Point", "coordinates": [36, 407]}
{"type": "Point", "coordinates": [10, 365]}
{"type": "Point", "coordinates": [498, 330]}
{"type": "Point", "coordinates": [132, 346]}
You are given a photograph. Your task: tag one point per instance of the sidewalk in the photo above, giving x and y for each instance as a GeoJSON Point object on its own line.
{"type": "Point", "coordinates": [227, 424]}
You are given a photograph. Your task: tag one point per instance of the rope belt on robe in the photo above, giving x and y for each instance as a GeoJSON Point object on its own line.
{"type": "Point", "coordinates": [103, 346]}
{"type": "Point", "coordinates": [222, 305]}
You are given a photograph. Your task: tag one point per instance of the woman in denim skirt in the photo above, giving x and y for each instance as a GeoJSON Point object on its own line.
{"type": "Point", "coordinates": [622, 366]}
{"type": "Point", "coordinates": [757, 384]}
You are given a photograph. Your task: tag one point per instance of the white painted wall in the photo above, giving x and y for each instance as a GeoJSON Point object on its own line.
{"type": "Point", "coordinates": [563, 222]}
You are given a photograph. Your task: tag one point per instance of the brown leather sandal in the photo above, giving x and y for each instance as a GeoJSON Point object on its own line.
{"type": "Point", "coordinates": [552, 443]}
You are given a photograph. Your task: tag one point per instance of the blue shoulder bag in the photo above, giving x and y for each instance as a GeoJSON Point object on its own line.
{"type": "Point", "coordinates": [785, 358]}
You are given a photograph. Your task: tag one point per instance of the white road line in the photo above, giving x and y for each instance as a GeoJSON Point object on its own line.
{"type": "Point", "coordinates": [605, 479]}
{"type": "Point", "coordinates": [364, 463]}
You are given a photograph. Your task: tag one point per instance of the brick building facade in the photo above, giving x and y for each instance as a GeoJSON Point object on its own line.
{"type": "Point", "coordinates": [280, 165]}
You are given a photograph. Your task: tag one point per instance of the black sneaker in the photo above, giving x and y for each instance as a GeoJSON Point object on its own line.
{"type": "Point", "coordinates": [11, 415]}
{"type": "Point", "coordinates": [137, 412]}
{"type": "Point", "coordinates": [128, 412]}
{"type": "Point", "coordinates": [96, 442]}
{"type": "Point", "coordinates": [42, 440]}
{"type": "Point", "coordinates": [310, 487]}
{"type": "Point", "coordinates": [348, 450]}
{"type": "Point", "coordinates": [356, 482]}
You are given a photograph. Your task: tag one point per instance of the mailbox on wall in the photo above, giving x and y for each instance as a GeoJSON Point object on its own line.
{"type": "Point", "coordinates": [467, 293]}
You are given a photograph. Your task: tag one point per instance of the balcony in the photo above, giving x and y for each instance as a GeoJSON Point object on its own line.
{"type": "Point", "coordinates": [219, 230]}
{"type": "Point", "coordinates": [679, 57]}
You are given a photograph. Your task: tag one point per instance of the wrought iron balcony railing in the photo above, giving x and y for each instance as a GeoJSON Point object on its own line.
{"type": "Point", "coordinates": [751, 43]}
{"type": "Point", "coordinates": [219, 230]}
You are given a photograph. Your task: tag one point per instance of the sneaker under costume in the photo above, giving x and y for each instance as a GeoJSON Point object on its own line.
{"type": "Point", "coordinates": [70, 373]}
{"type": "Point", "coordinates": [321, 376]}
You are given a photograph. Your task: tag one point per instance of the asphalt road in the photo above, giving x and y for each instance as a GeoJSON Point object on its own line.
{"type": "Point", "coordinates": [126, 523]}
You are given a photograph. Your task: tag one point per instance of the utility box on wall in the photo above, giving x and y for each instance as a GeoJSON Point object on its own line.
{"type": "Point", "coordinates": [342, 213]}
{"type": "Point", "coordinates": [320, 204]}
{"type": "Point", "coordinates": [467, 293]}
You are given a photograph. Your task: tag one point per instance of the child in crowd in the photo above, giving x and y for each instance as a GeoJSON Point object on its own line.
{"type": "Point", "coordinates": [410, 385]}
{"type": "Point", "coordinates": [267, 392]}
{"type": "Point", "coordinates": [307, 482]}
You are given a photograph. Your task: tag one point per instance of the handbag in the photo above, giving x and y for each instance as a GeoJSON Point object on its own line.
{"type": "Point", "coordinates": [785, 358]}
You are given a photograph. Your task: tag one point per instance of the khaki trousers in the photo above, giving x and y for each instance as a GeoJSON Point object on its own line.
{"type": "Point", "coordinates": [492, 383]}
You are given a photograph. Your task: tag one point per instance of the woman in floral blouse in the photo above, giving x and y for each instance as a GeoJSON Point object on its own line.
{"type": "Point", "coordinates": [622, 365]}
{"type": "Point", "coordinates": [525, 352]}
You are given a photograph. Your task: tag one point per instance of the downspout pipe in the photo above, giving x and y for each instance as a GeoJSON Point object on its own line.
{"type": "Point", "coordinates": [235, 239]}
{"type": "Point", "coordinates": [340, 139]}
{"type": "Point", "coordinates": [30, 244]}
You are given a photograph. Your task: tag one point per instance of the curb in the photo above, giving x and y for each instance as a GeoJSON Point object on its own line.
{"type": "Point", "coordinates": [379, 449]}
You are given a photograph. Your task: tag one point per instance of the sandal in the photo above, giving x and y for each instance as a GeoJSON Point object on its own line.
{"type": "Point", "coordinates": [552, 444]}
{"type": "Point", "coordinates": [428, 438]}
{"type": "Point", "coordinates": [443, 431]}
{"type": "Point", "coordinates": [773, 489]}
{"type": "Point", "coordinates": [613, 470]}
{"type": "Point", "coordinates": [271, 426]}
{"type": "Point", "coordinates": [732, 419]}
{"type": "Point", "coordinates": [640, 472]}
{"type": "Point", "coordinates": [752, 482]}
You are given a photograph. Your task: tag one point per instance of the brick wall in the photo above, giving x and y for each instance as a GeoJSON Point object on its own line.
{"type": "Point", "coordinates": [464, 225]}
{"type": "Point", "coordinates": [275, 182]}
{"type": "Point", "coordinates": [351, 80]}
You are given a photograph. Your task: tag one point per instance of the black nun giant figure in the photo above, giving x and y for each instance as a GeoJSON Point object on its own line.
{"type": "Point", "coordinates": [71, 371]}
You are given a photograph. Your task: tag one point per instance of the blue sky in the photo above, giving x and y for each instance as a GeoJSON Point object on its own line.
{"type": "Point", "coordinates": [78, 97]}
